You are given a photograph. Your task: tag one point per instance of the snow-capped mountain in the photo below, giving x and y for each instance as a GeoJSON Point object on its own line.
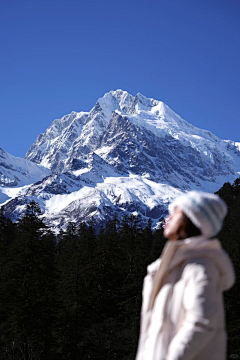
{"type": "Point", "coordinates": [129, 153]}
{"type": "Point", "coordinates": [16, 173]}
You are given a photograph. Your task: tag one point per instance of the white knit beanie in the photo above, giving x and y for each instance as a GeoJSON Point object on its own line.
{"type": "Point", "coordinates": [206, 211]}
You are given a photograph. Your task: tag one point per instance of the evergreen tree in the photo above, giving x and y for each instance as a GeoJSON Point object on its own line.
{"type": "Point", "coordinates": [6, 229]}
{"type": "Point", "coordinates": [133, 246]}
{"type": "Point", "coordinates": [158, 241]}
{"type": "Point", "coordinates": [27, 288]}
{"type": "Point", "coordinates": [230, 239]}
{"type": "Point", "coordinates": [109, 277]}
{"type": "Point", "coordinates": [6, 237]}
{"type": "Point", "coordinates": [75, 316]}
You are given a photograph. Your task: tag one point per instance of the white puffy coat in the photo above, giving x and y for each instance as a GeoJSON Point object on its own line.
{"type": "Point", "coordinates": [187, 319]}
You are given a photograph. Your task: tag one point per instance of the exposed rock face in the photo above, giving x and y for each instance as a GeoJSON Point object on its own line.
{"type": "Point", "coordinates": [128, 154]}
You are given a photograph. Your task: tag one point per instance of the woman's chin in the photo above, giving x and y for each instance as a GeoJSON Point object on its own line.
{"type": "Point", "coordinates": [166, 233]}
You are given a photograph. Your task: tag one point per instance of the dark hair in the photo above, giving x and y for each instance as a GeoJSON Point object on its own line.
{"type": "Point", "coordinates": [189, 228]}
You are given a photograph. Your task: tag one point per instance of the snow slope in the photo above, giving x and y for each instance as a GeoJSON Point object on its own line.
{"type": "Point", "coordinates": [15, 171]}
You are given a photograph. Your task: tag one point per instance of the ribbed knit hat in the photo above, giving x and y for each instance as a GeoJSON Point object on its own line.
{"type": "Point", "coordinates": [206, 211]}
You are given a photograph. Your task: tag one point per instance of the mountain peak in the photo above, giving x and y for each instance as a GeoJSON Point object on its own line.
{"type": "Point", "coordinates": [129, 153]}
{"type": "Point", "coordinates": [80, 132]}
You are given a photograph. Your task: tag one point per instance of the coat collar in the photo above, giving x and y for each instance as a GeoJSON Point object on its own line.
{"type": "Point", "coordinates": [196, 247]}
{"type": "Point", "coordinates": [153, 267]}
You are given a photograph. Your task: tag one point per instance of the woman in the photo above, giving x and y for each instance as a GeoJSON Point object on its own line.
{"type": "Point", "coordinates": [182, 314]}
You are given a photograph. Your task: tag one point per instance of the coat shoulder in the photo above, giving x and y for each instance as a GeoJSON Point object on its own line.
{"type": "Point", "coordinates": [199, 269]}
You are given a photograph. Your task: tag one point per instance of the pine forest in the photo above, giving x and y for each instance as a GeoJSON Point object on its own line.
{"type": "Point", "coordinates": [77, 295]}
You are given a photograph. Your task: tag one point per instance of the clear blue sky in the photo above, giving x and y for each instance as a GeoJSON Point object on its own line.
{"type": "Point", "coordinates": [62, 55]}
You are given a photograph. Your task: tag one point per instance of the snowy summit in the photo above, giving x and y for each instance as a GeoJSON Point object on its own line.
{"type": "Point", "coordinates": [128, 154]}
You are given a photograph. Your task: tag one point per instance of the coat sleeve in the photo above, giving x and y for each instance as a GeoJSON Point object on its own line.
{"type": "Point", "coordinates": [202, 303]}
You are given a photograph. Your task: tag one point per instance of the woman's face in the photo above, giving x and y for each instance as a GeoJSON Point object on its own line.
{"type": "Point", "coordinates": [175, 225]}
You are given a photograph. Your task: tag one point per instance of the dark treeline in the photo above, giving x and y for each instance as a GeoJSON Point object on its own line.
{"type": "Point", "coordinates": [78, 296]}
